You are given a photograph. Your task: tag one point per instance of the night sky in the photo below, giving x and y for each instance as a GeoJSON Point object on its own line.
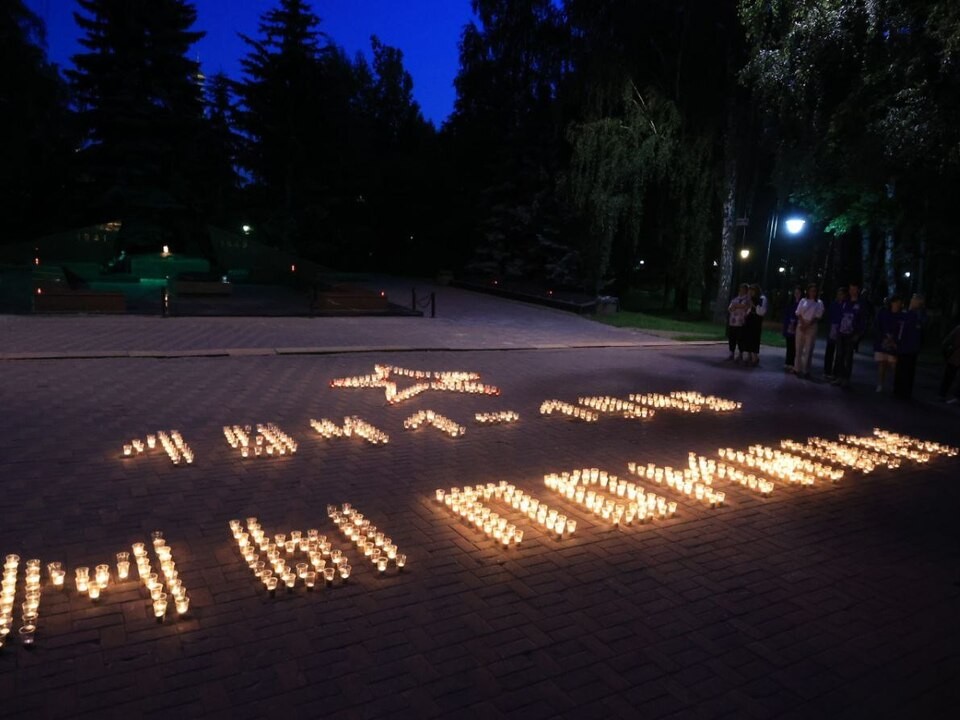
{"type": "Point", "coordinates": [427, 31]}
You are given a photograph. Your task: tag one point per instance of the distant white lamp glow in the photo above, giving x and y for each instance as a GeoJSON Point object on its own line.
{"type": "Point", "coordinates": [744, 254]}
{"type": "Point", "coordinates": [246, 229]}
{"type": "Point", "coordinates": [795, 225]}
{"type": "Point", "coordinates": [781, 269]}
{"type": "Point", "coordinates": [907, 274]}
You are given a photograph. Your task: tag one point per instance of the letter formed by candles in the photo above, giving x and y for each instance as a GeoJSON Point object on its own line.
{"type": "Point", "coordinates": [172, 443]}
{"type": "Point", "coordinates": [374, 544]}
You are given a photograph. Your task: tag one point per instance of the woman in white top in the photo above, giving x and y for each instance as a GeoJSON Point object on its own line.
{"type": "Point", "coordinates": [809, 312]}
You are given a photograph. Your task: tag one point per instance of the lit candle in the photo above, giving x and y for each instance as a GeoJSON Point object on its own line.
{"type": "Point", "coordinates": [83, 579]}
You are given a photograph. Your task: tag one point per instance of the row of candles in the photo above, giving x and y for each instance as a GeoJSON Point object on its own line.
{"type": "Point", "coordinates": [267, 556]}
{"type": "Point", "coordinates": [549, 407]}
{"type": "Point", "coordinates": [326, 428]}
{"type": "Point", "coordinates": [710, 402]}
{"type": "Point", "coordinates": [268, 440]}
{"type": "Point", "coordinates": [676, 401]}
{"type": "Point", "coordinates": [353, 425]}
{"type": "Point", "coordinates": [467, 504]}
{"type": "Point", "coordinates": [497, 418]}
{"type": "Point", "coordinates": [689, 482]}
{"type": "Point", "coordinates": [624, 503]}
{"type": "Point", "coordinates": [373, 543]}
{"type": "Point", "coordinates": [175, 589]}
{"type": "Point", "coordinates": [31, 601]}
{"type": "Point", "coordinates": [849, 456]}
{"type": "Point", "coordinates": [440, 422]}
{"type": "Point", "coordinates": [794, 469]}
{"type": "Point", "coordinates": [173, 444]}
{"type": "Point", "coordinates": [443, 375]}
{"type": "Point", "coordinates": [550, 519]}
{"type": "Point", "coordinates": [893, 439]}
{"type": "Point", "coordinates": [607, 404]}
{"type": "Point", "coordinates": [707, 469]}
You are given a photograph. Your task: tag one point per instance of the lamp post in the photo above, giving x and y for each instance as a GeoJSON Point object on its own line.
{"type": "Point", "coordinates": [793, 225]}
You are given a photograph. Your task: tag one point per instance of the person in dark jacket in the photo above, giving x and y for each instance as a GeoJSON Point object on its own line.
{"type": "Point", "coordinates": [908, 347]}
{"type": "Point", "coordinates": [951, 356]}
{"type": "Point", "coordinates": [790, 328]}
{"type": "Point", "coordinates": [852, 323]}
{"type": "Point", "coordinates": [886, 332]}
{"type": "Point", "coordinates": [753, 328]}
{"type": "Point", "coordinates": [833, 317]}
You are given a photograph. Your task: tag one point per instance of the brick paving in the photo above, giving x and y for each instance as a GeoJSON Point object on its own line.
{"type": "Point", "coordinates": [836, 600]}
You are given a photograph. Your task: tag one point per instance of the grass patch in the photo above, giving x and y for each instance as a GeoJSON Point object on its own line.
{"type": "Point", "coordinates": [679, 327]}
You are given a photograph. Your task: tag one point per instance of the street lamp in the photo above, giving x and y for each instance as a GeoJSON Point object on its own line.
{"type": "Point", "coordinates": [744, 254]}
{"type": "Point", "coordinates": [795, 225]}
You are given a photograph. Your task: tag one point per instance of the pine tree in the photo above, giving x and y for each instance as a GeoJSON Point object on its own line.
{"type": "Point", "coordinates": [279, 113]}
{"type": "Point", "coordinates": [218, 182]}
{"type": "Point", "coordinates": [507, 127]}
{"type": "Point", "coordinates": [139, 99]}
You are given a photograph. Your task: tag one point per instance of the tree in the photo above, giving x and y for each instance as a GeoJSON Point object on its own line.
{"type": "Point", "coordinates": [678, 54]}
{"type": "Point", "coordinates": [297, 111]}
{"type": "Point", "coordinates": [139, 104]}
{"type": "Point", "coordinates": [218, 181]}
{"type": "Point", "coordinates": [507, 128]}
{"type": "Point", "coordinates": [36, 139]}
{"type": "Point", "coordinates": [398, 182]}
{"type": "Point", "coordinates": [863, 97]}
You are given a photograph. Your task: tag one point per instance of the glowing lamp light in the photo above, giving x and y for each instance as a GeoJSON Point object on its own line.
{"type": "Point", "coordinates": [781, 269]}
{"type": "Point", "coordinates": [795, 225]}
{"type": "Point", "coordinates": [744, 254]}
{"type": "Point", "coordinates": [166, 251]}
{"type": "Point", "coordinates": [246, 229]}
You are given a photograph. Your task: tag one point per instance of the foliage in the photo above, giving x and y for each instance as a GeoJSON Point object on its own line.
{"type": "Point", "coordinates": [36, 132]}
{"type": "Point", "coordinates": [864, 97]}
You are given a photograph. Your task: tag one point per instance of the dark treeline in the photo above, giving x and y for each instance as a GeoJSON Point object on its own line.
{"type": "Point", "coordinates": [607, 145]}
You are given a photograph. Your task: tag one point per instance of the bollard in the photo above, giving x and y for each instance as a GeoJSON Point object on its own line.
{"type": "Point", "coordinates": [433, 304]}
{"type": "Point", "coordinates": [164, 301]}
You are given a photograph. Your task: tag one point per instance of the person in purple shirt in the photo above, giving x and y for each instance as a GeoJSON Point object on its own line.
{"type": "Point", "coordinates": [790, 328]}
{"type": "Point", "coordinates": [908, 347]}
{"type": "Point", "coordinates": [833, 316]}
{"type": "Point", "coordinates": [852, 324]}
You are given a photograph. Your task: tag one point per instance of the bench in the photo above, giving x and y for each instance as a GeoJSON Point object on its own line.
{"type": "Point", "coordinates": [200, 287]}
{"type": "Point", "coordinates": [88, 301]}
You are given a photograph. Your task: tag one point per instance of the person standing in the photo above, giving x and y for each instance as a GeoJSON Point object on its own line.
{"type": "Point", "coordinates": [908, 347]}
{"type": "Point", "coordinates": [737, 310]}
{"type": "Point", "coordinates": [886, 334]}
{"type": "Point", "coordinates": [808, 312]}
{"type": "Point", "coordinates": [849, 332]}
{"type": "Point", "coordinates": [753, 327]}
{"type": "Point", "coordinates": [790, 328]}
{"type": "Point", "coordinates": [833, 316]}
{"type": "Point", "coordinates": [951, 356]}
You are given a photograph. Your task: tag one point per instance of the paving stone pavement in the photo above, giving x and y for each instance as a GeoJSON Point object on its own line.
{"type": "Point", "coordinates": [828, 601]}
{"type": "Point", "coordinates": [465, 321]}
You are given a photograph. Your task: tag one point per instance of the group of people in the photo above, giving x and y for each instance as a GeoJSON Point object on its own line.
{"type": "Point", "coordinates": [746, 313]}
{"type": "Point", "coordinates": [896, 345]}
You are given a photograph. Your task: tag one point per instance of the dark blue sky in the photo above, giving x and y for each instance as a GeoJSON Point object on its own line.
{"type": "Point", "coordinates": [427, 31]}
